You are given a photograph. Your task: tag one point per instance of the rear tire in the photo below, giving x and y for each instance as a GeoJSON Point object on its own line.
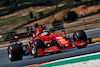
{"type": "Point", "coordinates": [80, 36]}
{"type": "Point", "coordinates": [15, 52]}
{"type": "Point", "coordinates": [39, 43]}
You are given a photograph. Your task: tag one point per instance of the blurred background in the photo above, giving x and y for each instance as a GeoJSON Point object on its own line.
{"type": "Point", "coordinates": [20, 17]}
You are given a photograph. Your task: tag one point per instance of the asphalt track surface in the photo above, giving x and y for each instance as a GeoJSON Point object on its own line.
{"type": "Point", "coordinates": [28, 60]}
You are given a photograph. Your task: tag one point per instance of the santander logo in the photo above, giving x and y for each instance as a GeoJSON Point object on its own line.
{"type": "Point", "coordinates": [59, 37]}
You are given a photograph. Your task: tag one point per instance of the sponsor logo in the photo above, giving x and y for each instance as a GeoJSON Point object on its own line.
{"type": "Point", "coordinates": [62, 40]}
{"type": "Point", "coordinates": [59, 37]}
{"type": "Point", "coordinates": [82, 43]}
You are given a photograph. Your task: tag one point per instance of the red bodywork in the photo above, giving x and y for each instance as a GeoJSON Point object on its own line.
{"type": "Point", "coordinates": [52, 39]}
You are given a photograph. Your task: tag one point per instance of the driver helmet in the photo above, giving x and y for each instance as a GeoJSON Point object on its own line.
{"type": "Point", "coordinates": [45, 33]}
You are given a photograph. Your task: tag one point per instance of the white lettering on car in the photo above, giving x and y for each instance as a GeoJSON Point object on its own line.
{"type": "Point", "coordinates": [59, 37]}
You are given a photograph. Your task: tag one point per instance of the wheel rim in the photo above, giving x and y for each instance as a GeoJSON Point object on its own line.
{"type": "Point", "coordinates": [76, 38]}
{"type": "Point", "coordinates": [9, 53]}
{"type": "Point", "coordinates": [33, 49]}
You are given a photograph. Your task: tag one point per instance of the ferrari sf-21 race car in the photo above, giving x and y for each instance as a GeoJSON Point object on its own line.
{"type": "Point", "coordinates": [47, 42]}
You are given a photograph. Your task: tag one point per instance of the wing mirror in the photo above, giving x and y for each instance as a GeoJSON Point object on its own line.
{"type": "Point", "coordinates": [62, 30]}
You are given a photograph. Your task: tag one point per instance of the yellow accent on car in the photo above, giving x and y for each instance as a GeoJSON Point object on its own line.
{"type": "Point", "coordinates": [61, 39]}
{"type": "Point", "coordinates": [73, 45]}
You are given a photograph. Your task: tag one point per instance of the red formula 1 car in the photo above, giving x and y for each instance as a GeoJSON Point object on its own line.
{"type": "Point", "coordinates": [47, 42]}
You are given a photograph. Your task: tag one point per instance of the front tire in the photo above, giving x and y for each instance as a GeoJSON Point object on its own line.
{"type": "Point", "coordinates": [34, 50]}
{"type": "Point", "coordinates": [38, 43]}
{"type": "Point", "coordinates": [80, 36]}
{"type": "Point", "coordinates": [15, 52]}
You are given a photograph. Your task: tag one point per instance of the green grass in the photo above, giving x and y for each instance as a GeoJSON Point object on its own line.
{"type": "Point", "coordinates": [14, 20]}
{"type": "Point", "coordinates": [19, 19]}
{"type": "Point", "coordinates": [67, 5]}
{"type": "Point", "coordinates": [47, 12]}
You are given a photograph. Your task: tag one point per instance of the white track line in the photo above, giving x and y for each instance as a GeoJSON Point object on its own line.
{"type": "Point", "coordinates": [3, 48]}
{"type": "Point", "coordinates": [72, 58]}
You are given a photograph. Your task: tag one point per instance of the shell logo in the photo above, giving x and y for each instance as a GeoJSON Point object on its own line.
{"type": "Point", "coordinates": [61, 40]}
